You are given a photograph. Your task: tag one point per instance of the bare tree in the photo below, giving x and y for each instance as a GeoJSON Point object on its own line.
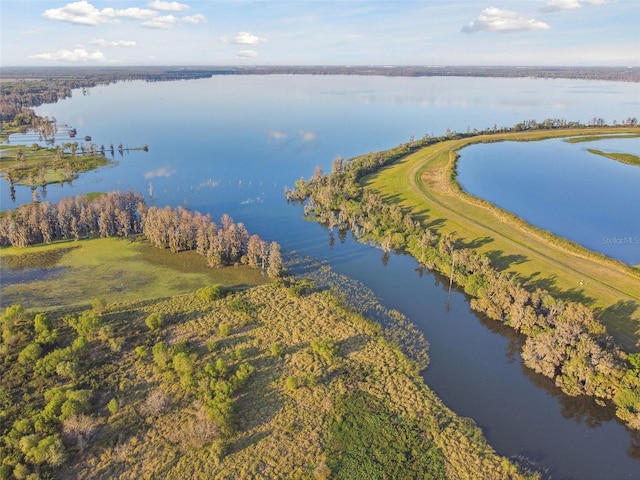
{"type": "Point", "coordinates": [79, 428]}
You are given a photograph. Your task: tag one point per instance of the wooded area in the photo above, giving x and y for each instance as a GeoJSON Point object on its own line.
{"type": "Point", "coordinates": [124, 214]}
{"type": "Point", "coordinates": [563, 340]}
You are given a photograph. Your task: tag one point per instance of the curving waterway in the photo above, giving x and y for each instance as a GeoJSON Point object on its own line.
{"type": "Point", "coordinates": [231, 144]}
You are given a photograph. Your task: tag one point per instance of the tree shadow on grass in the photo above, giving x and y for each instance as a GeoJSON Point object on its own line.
{"type": "Point", "coordinates": [435, 224]}
{"type": "Point", "coordinates": [536, 280]}
{"type": "Point", "coordinates": [503, 262]}
{"type": "Point", "coordinates": [421, 215]}
{"type": "Point", "coordinates": [575, 295]}
{"type": "Point", "coordinates": [248, 440]}
{"type": "Point", "coordinates": [619, 314]}
{"type": "Point", "coordinates": [475, 243]}
{"type": "Point", "coordinates": [620, 309]}
{"type": "Point", "coordinates": [352, 344]}
{"type": "Point", "coordinates": [259, 402]}
{"type": "Point", "coordinates": [548, 283]}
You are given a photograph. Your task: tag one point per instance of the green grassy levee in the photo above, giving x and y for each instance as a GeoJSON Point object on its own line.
{"type": "Point", "coordinates": [425, 183]}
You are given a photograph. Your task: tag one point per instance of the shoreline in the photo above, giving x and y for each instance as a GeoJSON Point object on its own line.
{"type": "Point", "coordinates": [425, 183]}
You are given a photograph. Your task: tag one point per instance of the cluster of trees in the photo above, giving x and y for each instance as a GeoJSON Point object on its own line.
{"type": "Point", "coordinates": [63, 419]}
{"type": "Point", "coordinates": [79, 217]}
{"type": "Point", "coordinates": [222, 244]}
{"type": "Point", "coordinates": [563, 340]}
{"type": "Point", "coordinates": [19, 95]}
{"type": "Point", "coordinates": [551, 123]}
{"type": "Point", "coordinates": [212, 384]}
{"type": "Point", "coordinates": [54, 361]}
{"type": "Point", "coordinates": [59, 415]}
{"type": "Point", "coordinates": [125, 213]}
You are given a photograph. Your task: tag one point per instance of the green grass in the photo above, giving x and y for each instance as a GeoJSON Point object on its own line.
{"type": "Point", "coordinates": [595, 138]}
{"type": "Point", "coordinates": [41, 166]}
{"type": "Point", "coordinates": [627, 158]}
{"type": "Point", "coordinates": [109, 268]}
{"type": "Point", "coordinates": [317, 376]}
{"type": "Point", "coordinates": [366, 442]}
{"type": "Point", "coordinates": [8, 128]}
{"type": "Point", "coordinates": [281, 428]}
{"type": "Point", "coordinates": [425, 183]}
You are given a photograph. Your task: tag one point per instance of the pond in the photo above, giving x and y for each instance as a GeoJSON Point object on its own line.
{"type": "Point", "coordinates": [231, 144]}
{"type": "Point", "coordinates": [564, 188]}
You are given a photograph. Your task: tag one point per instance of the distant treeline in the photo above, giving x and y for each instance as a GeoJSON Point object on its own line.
{"type": "Point", "coordinates": [563, 341]}
{"type": "Point", "coordinates": [27, 87]}
{"type": "Point", "coordinates": [124, 214]}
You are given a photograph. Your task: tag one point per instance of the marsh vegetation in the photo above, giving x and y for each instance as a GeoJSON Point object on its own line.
{"type": "Point", "coordinates": [278, 380]}
{"type": "Point", "coordinates": [63, 267]}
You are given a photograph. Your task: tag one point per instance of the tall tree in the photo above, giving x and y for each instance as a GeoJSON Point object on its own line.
{"type": "Point", "coordinates": [275, 261]}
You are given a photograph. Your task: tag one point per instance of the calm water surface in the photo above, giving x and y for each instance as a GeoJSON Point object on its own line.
{"type": "Point", "coordinates": [231, 144]}
{"type": "Point", "coordinates": [562, 187]}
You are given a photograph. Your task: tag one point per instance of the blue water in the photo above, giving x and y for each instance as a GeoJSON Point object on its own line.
{"type": "Point", "coordinates": [562, 187]}
{"type": "Point", "coordinates": [231, 145]}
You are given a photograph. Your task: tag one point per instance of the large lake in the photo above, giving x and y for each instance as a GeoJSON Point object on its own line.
{"type": "Point", "coordinates": [564, 188]}
{"type": "Point", "coordinates": [231, 144]}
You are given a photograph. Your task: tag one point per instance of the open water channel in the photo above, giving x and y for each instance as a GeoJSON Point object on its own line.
{"type": "Point", "coordinates": [230, 144]}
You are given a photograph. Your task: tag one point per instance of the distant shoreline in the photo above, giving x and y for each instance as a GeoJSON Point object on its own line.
{"type": "Point", "coordinates": [158, 73]}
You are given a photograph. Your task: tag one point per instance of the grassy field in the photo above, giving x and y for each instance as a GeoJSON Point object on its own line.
{"type": "Point", "coordinates": [75, 273]}
{"type": "Point", "coordinates": [425, 183]}
{"type": "Point", "coordinates": [317, 391]}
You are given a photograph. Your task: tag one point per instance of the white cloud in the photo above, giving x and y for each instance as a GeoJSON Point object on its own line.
{"type": "Point", "coordinates": [162, 22]}
{"type": "Point", "coordinates": [503, 21]}
{"type": "Point", "coordinates": [134, 13]}
{"type": "Point", "coordinates": [101, 42]}
{"type": "Point", "coordinates": [159, 172]}
{"type": "Point", "coordinates": [193, 19]}
{"type": "Point", "coordinates": [247, 54]}
{"type": "Point", "coordinates": [168, 6]}
{"type": "Point", "coordinates": [243, 38]}
{"type": "Point", "coordinates": [76, 55]}
{"type": "Point", "coordinates": [83, 13]}
{"type": "Point", "coordinates": [77, 12]}
{"type": "Point", "coordinates": [559, 5]}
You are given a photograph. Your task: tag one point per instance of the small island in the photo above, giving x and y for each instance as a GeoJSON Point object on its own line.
{"type": "Point", "coordinates": [627, 158]}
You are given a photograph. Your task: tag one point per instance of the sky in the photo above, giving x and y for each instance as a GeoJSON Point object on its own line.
{"type": "Point", "coordinates": [320, 32]}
